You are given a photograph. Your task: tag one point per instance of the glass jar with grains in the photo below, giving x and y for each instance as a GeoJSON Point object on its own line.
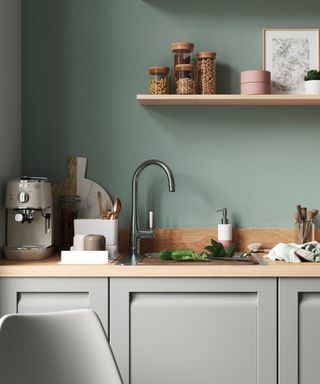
{"type": "Point", "coordinates": [207, 72]}
{"type": "Point", "coordinates": [186, 83]}
{"type": "Point", "coordinates": [159, 80]}
{"type": "Point", "coordinates": [182, 54]}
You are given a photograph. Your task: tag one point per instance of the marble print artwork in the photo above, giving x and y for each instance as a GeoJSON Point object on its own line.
{"type": "Point", "coordinates": [290, 62]}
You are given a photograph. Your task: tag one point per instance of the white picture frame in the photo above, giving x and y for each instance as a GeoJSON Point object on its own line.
{"type": "Point", "coordinates": [289, 54]}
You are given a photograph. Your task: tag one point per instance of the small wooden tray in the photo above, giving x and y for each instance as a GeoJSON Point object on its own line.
{"type": "Point", "coordinates": [152, 259]}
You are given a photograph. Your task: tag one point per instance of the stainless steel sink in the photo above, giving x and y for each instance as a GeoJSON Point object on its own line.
{"type": "Point", "coordinates": [153, 259]}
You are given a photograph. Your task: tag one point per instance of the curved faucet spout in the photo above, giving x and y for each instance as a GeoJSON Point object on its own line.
{"type": "Point", "coordinates": [135, 232]}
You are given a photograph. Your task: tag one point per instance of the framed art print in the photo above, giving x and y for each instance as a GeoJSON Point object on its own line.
{"type": "Point", "coordinates": [289, 54]}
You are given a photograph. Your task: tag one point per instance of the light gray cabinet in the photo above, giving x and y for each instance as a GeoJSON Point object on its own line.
{"type": "Point", "coordinates": [299, 330]}
{"type": "Point", "coordinates": [194, 330]}
{"type": "Point", "coordinates": [32, 295]}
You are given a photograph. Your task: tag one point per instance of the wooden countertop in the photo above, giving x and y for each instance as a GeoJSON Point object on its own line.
{"type": "Point", "coordinates": [50, 268]}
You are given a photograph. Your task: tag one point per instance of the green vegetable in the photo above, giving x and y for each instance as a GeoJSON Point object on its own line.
{"type": "Point", "coordinates": [189, 257]}
{"type": "Point", "coordinates": [166, 254]}
{"type": "Point", "coordinates": [217, 249]}
{"type": "Point", "coordinates": [231, 250]}
{"type": "Point", "coordinates": [182, 255]}
{"type": "Point", "coordinates": [313, 74]}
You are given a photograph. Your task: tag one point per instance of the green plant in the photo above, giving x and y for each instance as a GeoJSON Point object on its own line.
{"type": "Point", "coordinates": [313, 74]}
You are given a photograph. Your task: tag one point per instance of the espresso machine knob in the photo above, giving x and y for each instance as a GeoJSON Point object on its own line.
{"type": "Point", "coordinates": [23, 197]}
{"type": "Point", "coordinates": [18, 217]}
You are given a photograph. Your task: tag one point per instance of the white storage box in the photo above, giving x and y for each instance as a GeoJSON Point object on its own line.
{"type": "Point", "coordinates": [107, 228]}
{"type": "Point", "coordinates": [85, 257]}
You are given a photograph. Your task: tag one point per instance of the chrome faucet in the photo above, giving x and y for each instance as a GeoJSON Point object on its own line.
{"type": "Point", "coordinates": [135, 232]}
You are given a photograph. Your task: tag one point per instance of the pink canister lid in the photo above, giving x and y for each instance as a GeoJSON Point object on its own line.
{"type": "Point", "coordinates": [255, 76]}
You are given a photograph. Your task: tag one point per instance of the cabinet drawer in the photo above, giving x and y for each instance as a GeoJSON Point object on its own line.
{"type": "Point", "coordinates": [32, 295]}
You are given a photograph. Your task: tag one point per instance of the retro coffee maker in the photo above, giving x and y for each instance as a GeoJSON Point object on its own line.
{"type": "Point", "coordinates": [28, 206]}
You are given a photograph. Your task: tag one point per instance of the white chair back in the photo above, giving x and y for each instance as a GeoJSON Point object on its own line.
{"type": "Point", "coordinates": [55, 348]}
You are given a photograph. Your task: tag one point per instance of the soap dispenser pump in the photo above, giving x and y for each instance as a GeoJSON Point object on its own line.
{"type": "Point", "coordinates": [225, 229]}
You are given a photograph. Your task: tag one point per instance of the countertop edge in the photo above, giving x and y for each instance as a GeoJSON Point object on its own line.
{"type": "Point", "coordinates": [158, 271]}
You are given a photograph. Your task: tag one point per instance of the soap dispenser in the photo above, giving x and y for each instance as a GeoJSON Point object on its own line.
{"type": "Point", "coordinates": [225, 229]}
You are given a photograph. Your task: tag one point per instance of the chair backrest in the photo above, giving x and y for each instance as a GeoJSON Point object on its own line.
{"type": "Point", "coordinates": [55, 348]}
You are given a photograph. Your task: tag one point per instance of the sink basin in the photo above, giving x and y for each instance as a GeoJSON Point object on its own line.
{"type": "Point", "coordinates": [153, 259]}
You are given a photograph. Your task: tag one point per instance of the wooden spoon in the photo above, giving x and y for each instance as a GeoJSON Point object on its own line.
{"type": "Point", "coordinates": [117, 206]}
{"type": "Point", "coordinates": [100, 201]}
{"type": "Point", "coordinates": [297, 217]}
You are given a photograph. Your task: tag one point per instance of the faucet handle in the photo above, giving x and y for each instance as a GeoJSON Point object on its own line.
{"type": "Point", "coordinates": [150, 219]}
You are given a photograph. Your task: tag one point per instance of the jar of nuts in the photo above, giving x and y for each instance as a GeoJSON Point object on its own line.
{"type": "Point", "coordinates": [182, 54]}
{"type": "Point", "coordinates": [186, 83]}
{"type": "Point", "coordinates": [159, 80]}
{"type": "Point", "coordinates": [207, 72]}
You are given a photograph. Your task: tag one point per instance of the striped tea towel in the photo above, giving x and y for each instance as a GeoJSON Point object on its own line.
{"type": "Point", "coordinates": [295, 253]}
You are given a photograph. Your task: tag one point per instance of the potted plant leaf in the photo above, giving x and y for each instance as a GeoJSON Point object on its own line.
{"type": "Point", "coordinates": [312, 82]}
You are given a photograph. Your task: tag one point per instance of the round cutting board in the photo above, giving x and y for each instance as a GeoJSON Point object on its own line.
{"type": "Point", "coordinates": [76, 184]}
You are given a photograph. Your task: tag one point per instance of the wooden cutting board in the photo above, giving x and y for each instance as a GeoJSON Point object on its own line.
{"type": "Point", "coordinates": [78, 185]}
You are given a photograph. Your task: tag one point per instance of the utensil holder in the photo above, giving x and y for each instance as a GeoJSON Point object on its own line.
{"type": "Point", "coordinates": [107, 228]}
{"type": "Point", "coordinates": [304, 232]}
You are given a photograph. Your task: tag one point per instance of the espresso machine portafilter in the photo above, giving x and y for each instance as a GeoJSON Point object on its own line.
{"type": "Point", "coordinates": [29, 218]}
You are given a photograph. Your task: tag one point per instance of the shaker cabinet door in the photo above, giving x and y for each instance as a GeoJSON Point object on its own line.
{"type": "Point", "coordinates": [34, 295]}
{"type": "Point", "coordinates": [194, 330]}
{"type": "Point", "coordinates": [299, 331]}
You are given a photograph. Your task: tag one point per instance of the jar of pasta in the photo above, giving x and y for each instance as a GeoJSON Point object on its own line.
{"type": "Point", "coordinates": [159, 80]}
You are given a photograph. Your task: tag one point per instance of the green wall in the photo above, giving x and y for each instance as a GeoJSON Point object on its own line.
{"type": "Point", "coordinates": [85, 60]}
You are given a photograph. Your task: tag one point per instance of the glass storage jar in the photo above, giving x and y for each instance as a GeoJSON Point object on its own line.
{"type": "Point", "coordinates": [206, 72]}
{"type": "Point", "coordinates": [159, 80]}
{"type": "Point", "coordinates": [182, 54]}
{"type": "Point", "coordinates": [186, 83]}
{"type": "Point", "coordinates": [68, 207]}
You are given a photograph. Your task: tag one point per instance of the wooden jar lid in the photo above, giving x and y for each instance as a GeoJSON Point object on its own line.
{"type": "Point", "coordinates": [182, 46]}
{"type": "Point", "coordinates": [185, 67]}
{"type": "Point", "coordinates": [158, 70]}
{"type": "Point", "coordinates": [206, 55]}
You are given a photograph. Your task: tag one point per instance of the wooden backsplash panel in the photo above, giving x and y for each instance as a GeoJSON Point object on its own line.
{"type": "Point", "coordinates": [197, 238]}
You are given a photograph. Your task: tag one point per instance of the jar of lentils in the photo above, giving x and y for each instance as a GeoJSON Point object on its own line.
{"type": "Point", "coordinates": [182, 54]}
{"type": "Point", "coordinates": [159, 80]}
{"type": "Point", "coordinates": [186, 83]}
{"type": "Point", "coordinates": [207, 72]}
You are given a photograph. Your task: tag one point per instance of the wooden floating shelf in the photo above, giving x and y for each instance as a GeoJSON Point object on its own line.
{"type": "Point", "coordinates": [229, 99]}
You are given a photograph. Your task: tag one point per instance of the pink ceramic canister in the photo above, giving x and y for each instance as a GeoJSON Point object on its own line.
{"type": "Point", "coordinates": [255, 88]}
{"type": "Point", "coordinates": [255, 82]}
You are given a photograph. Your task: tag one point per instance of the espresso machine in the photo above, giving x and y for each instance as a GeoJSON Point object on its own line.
{"type": "Point", "coordinates": [29, 221]}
